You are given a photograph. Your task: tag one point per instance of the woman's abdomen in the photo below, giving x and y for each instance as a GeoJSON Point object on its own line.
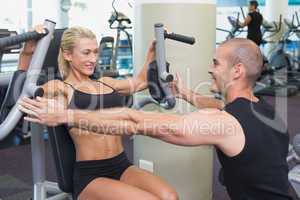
{"type": "Point", "coordinates": [94, 146]}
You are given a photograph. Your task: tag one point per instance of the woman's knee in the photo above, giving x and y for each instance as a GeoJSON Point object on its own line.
{"type": "Point", "coordinates": [168, 194]}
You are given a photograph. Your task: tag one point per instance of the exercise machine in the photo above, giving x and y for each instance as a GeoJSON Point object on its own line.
{"type": "Point", "coordinates": [293, 69]}
{"type": "Point", "coordinates": [122, 48]}
{"type": "Point", "coordinates": [268, 84]}
{"type": "Point", "coordinates": [294, 156]}
{"type": "Point", "coordinates": [159, 75]}
{"type": "Point", "coordinates": [41, 188]}
{"type": "Point", "coordinates": [62, 145]}
{"type": "Point", "coordinates": [235, 29]}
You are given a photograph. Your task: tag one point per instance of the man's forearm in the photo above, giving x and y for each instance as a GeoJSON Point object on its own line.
{"type": "Point", "coordinates": [200, 101]}
{"type": "Point", "coordinates": [108, 121]}
{"type": "Point", "coordinates": [124, 121]}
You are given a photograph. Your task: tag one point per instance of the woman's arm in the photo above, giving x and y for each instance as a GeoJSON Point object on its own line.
{"type": "Point", "coordinates": [54, 88]}
{"type": "Point", "coordinates": [134, 84]}
{"type": "Point", "coordinates": [28, 50]}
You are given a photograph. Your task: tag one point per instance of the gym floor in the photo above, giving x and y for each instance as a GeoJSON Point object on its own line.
{"type": "Point", "coordinates": [16, 171]}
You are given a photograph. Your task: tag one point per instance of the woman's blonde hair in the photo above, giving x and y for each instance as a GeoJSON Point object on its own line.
{"type": "Point", "coordinates": [68, 40]}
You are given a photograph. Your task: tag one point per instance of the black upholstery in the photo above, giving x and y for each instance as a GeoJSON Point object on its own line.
{"type": "Point", "coordinates": [13, 92]}
{"type": "Point", "coordinates": [155, 89]}
{"type": "Point", "coordinates": [62, 145]}
{"type": "Point", "coordinates": [64, 156]}
{"type": "Point", "coordinates": [50, 69]}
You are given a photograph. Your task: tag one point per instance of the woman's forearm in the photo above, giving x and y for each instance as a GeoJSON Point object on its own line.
{"type": "Point", "coordinates": [24, 60]}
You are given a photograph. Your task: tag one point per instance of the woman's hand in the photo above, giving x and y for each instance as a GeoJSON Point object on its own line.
{"type": "Point", "coordinates": [50, 112]}
{"type": "Point", "coordinates": [30, 45]}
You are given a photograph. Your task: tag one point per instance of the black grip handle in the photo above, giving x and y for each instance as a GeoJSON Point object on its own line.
{"type": "Point", "coordinates": [39, 92]}
{"type": "Point", "coordinates": [13, 40]}
{"type": "Point", "coordinates": [297, 18]}
{"type": "Point", "coordinates": [180, 38]}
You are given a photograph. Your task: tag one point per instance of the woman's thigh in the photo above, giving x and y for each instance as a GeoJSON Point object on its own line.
{"type": "Point", "coordinates": [149, 182]}
{"type": "Point", "coordinates": [109, 189]}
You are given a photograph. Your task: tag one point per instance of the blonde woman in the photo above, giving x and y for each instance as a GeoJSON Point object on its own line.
{"type": "Point", "coordinates": [101, 170]}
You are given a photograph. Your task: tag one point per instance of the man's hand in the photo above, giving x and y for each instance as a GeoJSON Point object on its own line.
{"type": "Point", "coordinates": [50, 112]}
{"type": "Point", "coordinates": [179, 90]}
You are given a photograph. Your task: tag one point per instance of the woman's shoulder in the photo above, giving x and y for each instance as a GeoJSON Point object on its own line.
{"type": "Point", "coordinates": [54, 86]}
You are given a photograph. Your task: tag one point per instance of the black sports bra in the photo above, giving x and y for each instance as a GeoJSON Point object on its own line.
{"type": "Point", "coordinates": [86, 101]}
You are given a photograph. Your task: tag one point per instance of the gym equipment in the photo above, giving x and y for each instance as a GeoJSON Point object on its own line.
{"type": "Point", "coordinates": [123, 23]}
{"type": "Point", "coordinates": [115, 57]}
{"type": "Point", "coordinates": [278, 60]}
{"type": "Point", "coordinates": [236, 29]}
{"type": "Point", "coordinates": [29, 85]}
{"type": "Point", "coordinates": [62, 145]}
{"type": "Point", "coordinates": [268, 84]}
{"type": "Point", "coordinates": [8, 49]}
{"type": "Point", "coordinates": [41, 186]}
{"type": "Point", "coordinates": [158, 74]}
{"type": "Point", "coordinates": [294, 173]}
{"type": "Point", "coordinates": [292, 71]}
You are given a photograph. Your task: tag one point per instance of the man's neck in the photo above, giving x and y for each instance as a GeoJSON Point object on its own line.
{"type": "Point", "coordinates": [246, 93]}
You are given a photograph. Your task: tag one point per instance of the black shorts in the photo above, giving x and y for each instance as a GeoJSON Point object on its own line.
{"type": "Point", "coordinates": [87, 171]}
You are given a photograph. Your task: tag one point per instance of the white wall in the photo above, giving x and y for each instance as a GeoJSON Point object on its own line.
{"type": "Point", "coordinates": [187, 169]}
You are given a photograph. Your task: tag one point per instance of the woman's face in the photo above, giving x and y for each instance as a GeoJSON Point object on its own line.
{"type": "Point", "coordinates": [83, 57]}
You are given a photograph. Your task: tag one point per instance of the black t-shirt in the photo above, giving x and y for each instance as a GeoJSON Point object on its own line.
{"type": "Point", "coordinates": [260, 171]}
{"type": "Point", "coordinates": [254, 32]}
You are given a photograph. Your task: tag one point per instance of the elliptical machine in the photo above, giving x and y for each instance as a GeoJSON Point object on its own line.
{"type": "Point", "coordinates": [293, 72]}
{"type": "Point", "coordinates": [115, 53]}
{"type": "Point", "coordinates": [268, 84]}
{"type": "Point", "coordinates": [235, 29]}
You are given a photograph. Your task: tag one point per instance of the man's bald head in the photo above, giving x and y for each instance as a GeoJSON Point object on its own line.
{"type": "Point", "coordinates": [246, 52]}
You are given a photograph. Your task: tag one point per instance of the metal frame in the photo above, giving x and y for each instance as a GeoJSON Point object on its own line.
{"type": "Point", "coordinates": [41, 188]}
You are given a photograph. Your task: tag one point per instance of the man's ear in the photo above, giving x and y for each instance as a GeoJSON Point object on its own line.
{"type": "Point", "coordinates": [67, 55]}
{"type": "Point", "coordinates": [239, 70]}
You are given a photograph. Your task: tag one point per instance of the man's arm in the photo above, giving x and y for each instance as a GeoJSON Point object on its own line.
{"type": "Point", "coordinates": [201, 101]}
{"type": "Point", "coordinates": [207, 126]}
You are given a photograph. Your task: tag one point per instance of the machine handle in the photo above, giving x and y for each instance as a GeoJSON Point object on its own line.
{"type": "Point", "coordinates": [13, 40]}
